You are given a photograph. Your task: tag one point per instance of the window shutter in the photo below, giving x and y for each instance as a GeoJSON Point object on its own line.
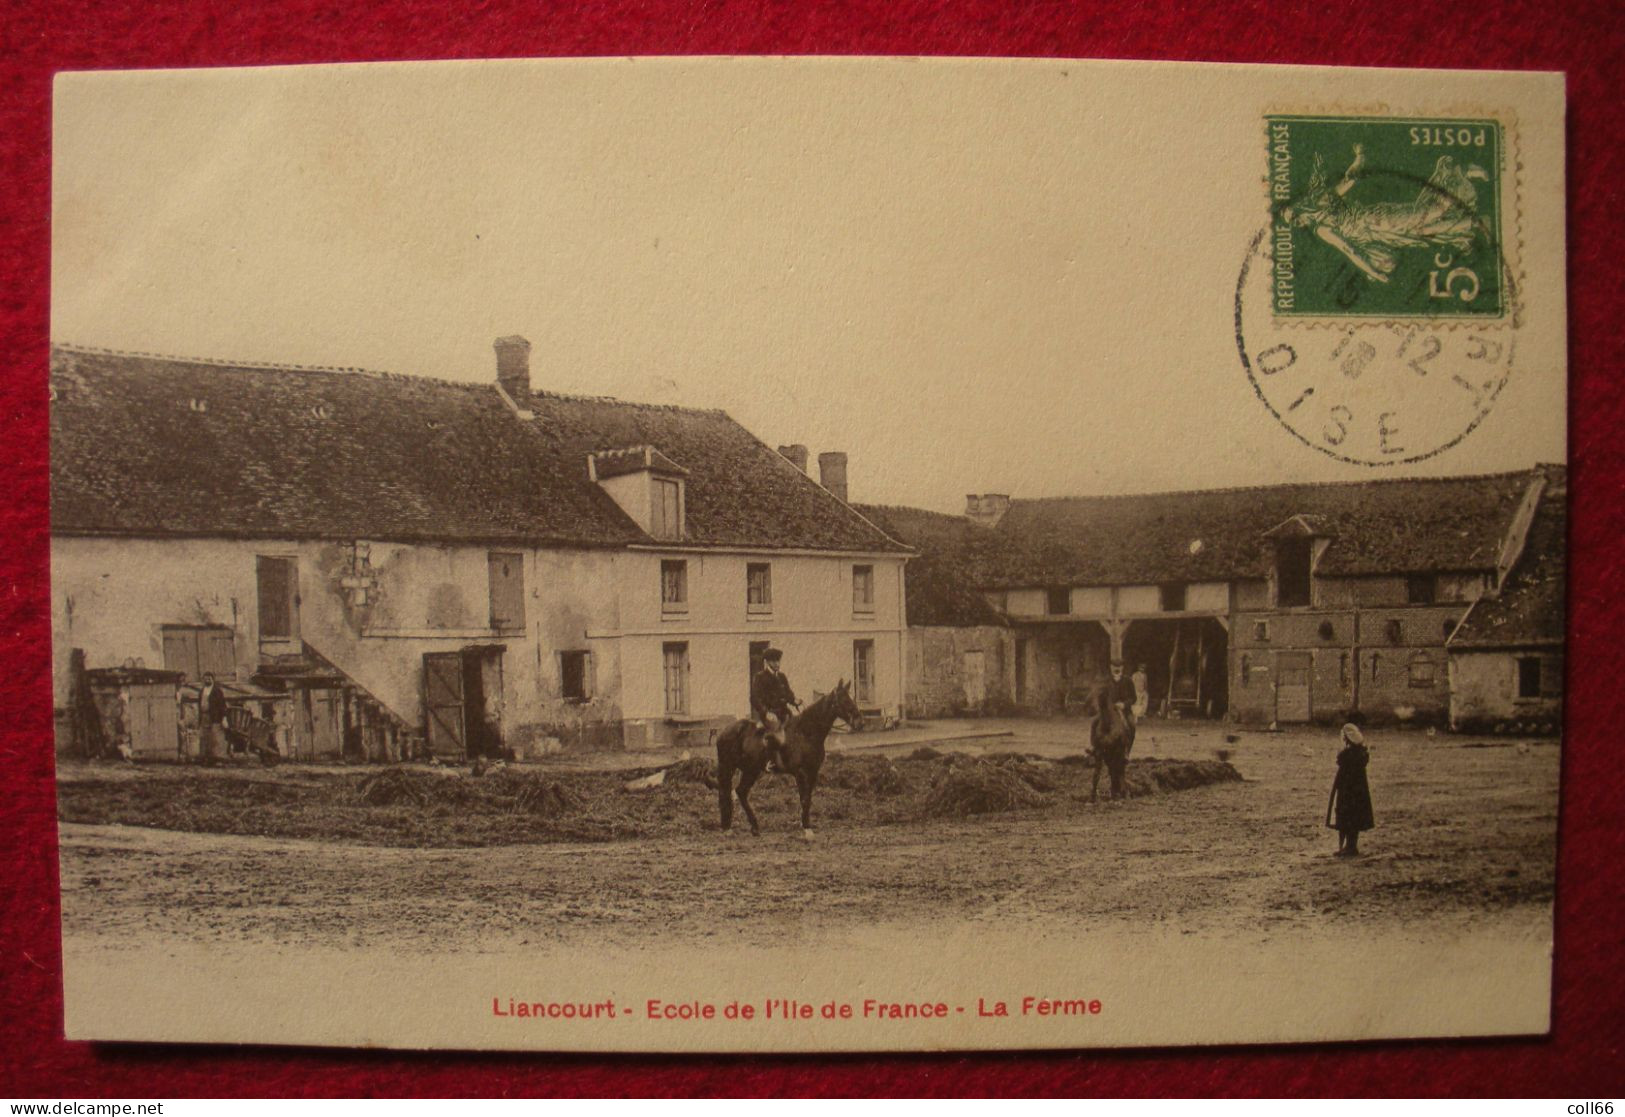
{"type": "Point", "coordinates": [217, 653]}
{"type": "Point", "coordinates": [180, 653]}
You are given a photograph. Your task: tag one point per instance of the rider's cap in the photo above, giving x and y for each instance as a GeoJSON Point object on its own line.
{"type": "Point", "coordinates": [773, 655]}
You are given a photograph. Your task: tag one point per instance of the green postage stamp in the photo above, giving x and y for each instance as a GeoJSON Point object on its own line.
{"type": "Point", "coordinates": [1386, 217]}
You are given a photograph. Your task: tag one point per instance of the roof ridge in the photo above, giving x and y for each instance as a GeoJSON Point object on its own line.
{"type": "Point", "coordinates": [586, 397]}
{"type": "Point", "coordinates": [254, 366]}
{"type": "Point", "coordinates": [1460, 478]}
{"type": "Point", "coordinates": [377, 374]}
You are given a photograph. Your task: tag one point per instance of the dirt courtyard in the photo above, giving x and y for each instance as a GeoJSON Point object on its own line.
{"type": "Point", "coordinates": [1465, 838]}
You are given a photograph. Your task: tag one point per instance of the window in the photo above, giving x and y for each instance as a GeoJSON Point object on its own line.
{"type": "Point", "coordinates": [863, 589]}
{"type": "Point", "coordinates": [1422, 670]}
{"type": "Point", "coordinates": [1529, 676]}
{"type": "Point", "coordinates": [278, 588]}
{"type": "Point", "coordinates": [673, 586]}
{"type": "Point", "coordinates": [575, 676]}
{"type": "Point", "coordinates": [675, 661]}
{"type": "Point", "coordinates": [1058, 601]}
{"type": "Point", "coordinates": [863, 672]}
{"type": "Point", "coordinates": [1292, 566]}
{"type": "Point", "coordinates": [1395, 631]}
{"type": "Point", "coordinates": [1171, 596]}
{"type": "Point", "coordinates": [1421, 589]}
{"type": "Point", "coordinates": [1328, 631]}
{"type": "Point", "coordinates": [1246, 668]}
{"type": "Point", "coordinates": [507, 590]}
{"type": "Point", "coordinates": [1376, 663]}
{"type": "Point", "coordinates": [195, 649]}
{"type": "Point", "coordinates": [667, 512]}
{"type": "Point", "coordinates": [1449, 627]}
{"type": "Point", "coordinates": [758, 587]}
{"type": "Point", "coordinates": [1343, 670]}
{"type": "Point", "coordinates": [1261, 631]}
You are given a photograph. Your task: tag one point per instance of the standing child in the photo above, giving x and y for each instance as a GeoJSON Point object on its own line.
{"type": "Point", "coordinates": [1351, 794]}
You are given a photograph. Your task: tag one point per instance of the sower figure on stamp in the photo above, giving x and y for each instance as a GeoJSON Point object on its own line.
{"type": "Point", "coordinates": [771, 703]}
{"type": "Point", "coordinates": [1350, 800]}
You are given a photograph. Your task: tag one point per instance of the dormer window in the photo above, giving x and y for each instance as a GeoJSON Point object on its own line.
{"type": "Point", "coordinates": [649, 487]}
{"type": "Point", "coordinates": [1293, 562]}
{"type": "Point", "coordinates": [667, 506]}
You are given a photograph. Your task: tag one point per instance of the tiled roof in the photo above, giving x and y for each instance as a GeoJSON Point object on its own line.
{"type": "Point", "coordinates": [146, 445]}
{"type": "Point", "coordinates": [940, 587]}
{"type": "Point", "coordinates": [1373, 527]}
{"type": "Point", "coordinates": [1529, 609]}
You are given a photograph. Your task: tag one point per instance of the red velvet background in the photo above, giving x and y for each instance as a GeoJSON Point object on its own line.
{"type": "Point", "coordinates": [1581, 1058]}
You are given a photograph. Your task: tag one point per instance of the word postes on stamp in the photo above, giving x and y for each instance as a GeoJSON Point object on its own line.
{"type": "Point", "coordinates": [1378, 217]}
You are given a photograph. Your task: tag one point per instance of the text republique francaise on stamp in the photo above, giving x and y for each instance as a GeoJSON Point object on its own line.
{"type": "Point", "coordinates": [1386, 237]}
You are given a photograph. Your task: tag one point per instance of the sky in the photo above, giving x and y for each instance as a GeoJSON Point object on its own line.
{"type": "Point", "coordinates": [970, 276]}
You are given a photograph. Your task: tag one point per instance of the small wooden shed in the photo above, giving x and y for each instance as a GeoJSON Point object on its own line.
{"type": "Point", "coordinates": [138, 710]}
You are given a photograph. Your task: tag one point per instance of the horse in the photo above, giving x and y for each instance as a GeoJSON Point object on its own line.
{"type": "Point", "coordinates": [1111, 737]}
{"type": "Point", "coordinates": [740, 748]}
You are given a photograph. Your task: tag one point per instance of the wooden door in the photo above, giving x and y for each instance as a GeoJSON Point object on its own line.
{"type": "Point", "coordinates": [326, 723]}
{"type": "Point", "coordinates": [152, 726]}
{"type": "Point", "coordinates": [278, 590]}
{"type": "Point", "coordinates": [1292, 672]}
{"type": "Point", "coordinates": [443, 704]}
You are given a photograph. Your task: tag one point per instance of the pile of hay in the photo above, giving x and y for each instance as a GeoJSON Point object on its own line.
{"type": "Point", "coordinates": [1147, 777]}
{"type": "Point", "coordinates": [970, 785]}
{"type": "Point", "coordinates": [693, 770]}
{"type": "Point", "coordinates": [506, 791]}
{"type": "Point", "coordinates": [867, 775]}
{"type": "Point", "coordinates": [397, 787]}
{"type": "Point", "coordinates": [532, 793]}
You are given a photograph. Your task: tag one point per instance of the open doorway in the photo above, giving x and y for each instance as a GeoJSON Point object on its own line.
{"type": "Point", "coordinates": [462, 702]}
{"type": "Point", "coordinates": [1186, 662]}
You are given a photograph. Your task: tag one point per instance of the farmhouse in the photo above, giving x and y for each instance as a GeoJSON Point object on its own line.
{"type": "Point", "coordinates": [1284, 603]}
{"type": "Point", "coordinates": [381, 566]}
{"type": "Point", "coordinates": [1506, 656]}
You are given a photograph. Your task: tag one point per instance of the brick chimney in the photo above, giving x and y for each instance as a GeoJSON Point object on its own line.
{"type": "Point", "coordinates": [797, 454]}
{"type": "Point", "coordinates": [986, 509]}
{"type": "Point", "coordinates": [832, 473]}
{"type": "Point", "coordinates": [513, 368]}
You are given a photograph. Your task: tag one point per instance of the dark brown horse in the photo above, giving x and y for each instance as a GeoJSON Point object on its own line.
{"type": "Point", "coordinates": [740, 748]}
{"type": "Point", "coordinates": [1111, 737]}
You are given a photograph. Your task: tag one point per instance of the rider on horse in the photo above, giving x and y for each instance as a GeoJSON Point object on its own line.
{"type": "Point", "coordinates": [771, 700]}
{"type": "Point", "coordinates": [1121, 692]}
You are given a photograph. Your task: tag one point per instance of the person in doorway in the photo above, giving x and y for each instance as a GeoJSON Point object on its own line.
{"type": "Point", "coordinates": [771, 704]}
{"type": "Point", "coordinates": [1142, 691]}
{"type": "Point", "coordinates": [1348, 811]}
{"type": "Point", "coordinates": [211, 720]}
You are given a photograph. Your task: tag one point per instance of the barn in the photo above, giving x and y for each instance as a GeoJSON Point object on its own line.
{"type": "Point", "coordinates": [1506, 656]}
{"type": "Point", "coordinates": [1270, 604]}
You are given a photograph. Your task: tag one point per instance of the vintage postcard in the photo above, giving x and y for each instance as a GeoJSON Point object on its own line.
{"type": "Point", "coordinates": [514, 583]}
